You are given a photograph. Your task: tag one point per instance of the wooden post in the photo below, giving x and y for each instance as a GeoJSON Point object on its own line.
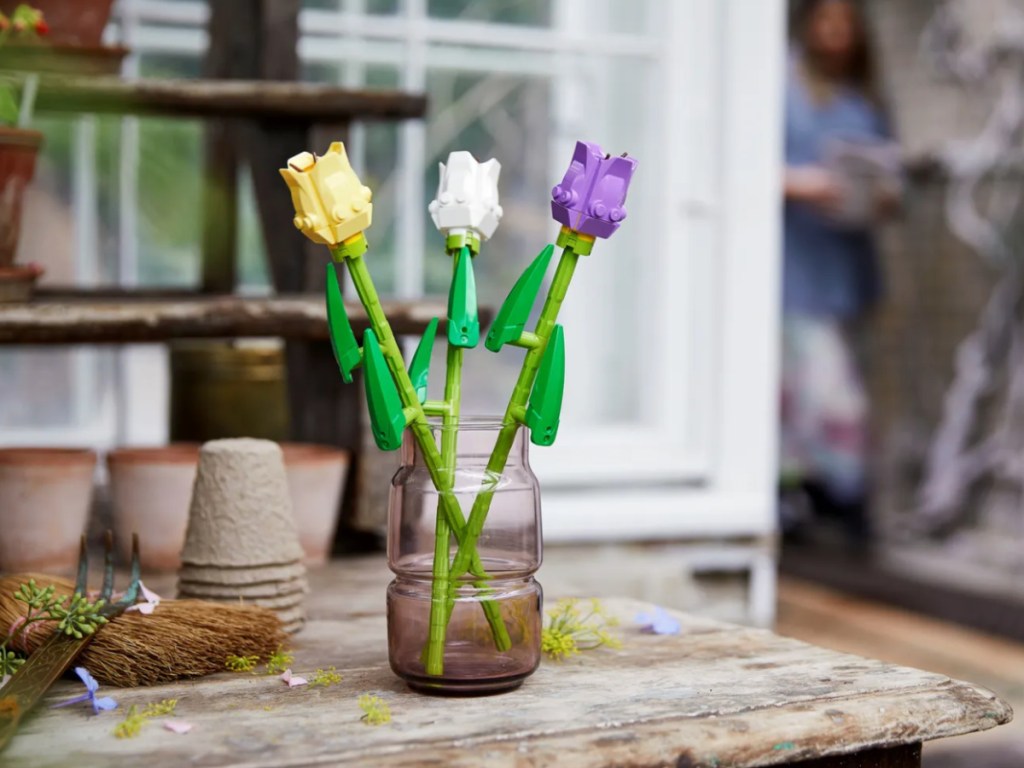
{"type": "Point", "coordinates": [322, 409]}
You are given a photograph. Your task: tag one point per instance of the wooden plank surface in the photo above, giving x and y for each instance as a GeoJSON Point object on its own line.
{"type": "Point", "coordinates": [716, 695]}
{"type": "Point", "coordinates": [256, 99]}
{"type": "Point", "coordinates": [110, 320]}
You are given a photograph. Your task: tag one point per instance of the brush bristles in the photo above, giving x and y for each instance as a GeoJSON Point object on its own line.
{"type": "Point", "coordinates": [181, 638]}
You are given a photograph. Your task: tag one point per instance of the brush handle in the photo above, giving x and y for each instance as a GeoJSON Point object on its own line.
{"type": "Point", "coordinates": [23, 691]}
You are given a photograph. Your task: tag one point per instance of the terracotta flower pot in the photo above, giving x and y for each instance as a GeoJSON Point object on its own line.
{"type": "Point", "coordinates": [70, 21]}
{"type": "Point", "coordinates": [18, 150]}
{"type": "Point", "coordinates": [316, 478]}
{"type": "Point", "coordinates": [150, 489]}
{"type": "Point", "coordinates": [45, 495]}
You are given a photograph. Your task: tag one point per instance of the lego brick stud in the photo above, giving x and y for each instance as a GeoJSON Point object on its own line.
{"type": "Point", "coordinates": [331, 203]}
{"type": "Point", "coordinates": [591, 197]}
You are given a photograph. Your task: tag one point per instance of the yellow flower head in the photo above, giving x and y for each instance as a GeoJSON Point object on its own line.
{"type": "Point", "coordinates": [331, 203]}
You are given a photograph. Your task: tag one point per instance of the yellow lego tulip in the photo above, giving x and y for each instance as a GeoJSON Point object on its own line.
{"type": "Point", "coordinates": [331, 203]}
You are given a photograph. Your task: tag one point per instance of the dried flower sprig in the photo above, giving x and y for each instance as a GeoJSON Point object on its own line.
{"type": "Point", "coordinates": [135, 718]}
{"type": "Point", "coordinates": [279, 661]}
{"type": "Point", "coordinates": [325, 678]}
{"type": "Point", "coordinates": [375, 710]}
{"type": "Point", "coordinates": [241, 663]}
{"type": "Point", "coordinates": [572, 629]}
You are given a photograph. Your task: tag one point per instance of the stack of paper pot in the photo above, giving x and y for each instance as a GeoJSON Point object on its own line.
{"type": "Point", "coordinates": [241, 545]}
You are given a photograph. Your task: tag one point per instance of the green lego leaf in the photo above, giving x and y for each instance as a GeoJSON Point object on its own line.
{"type": "Point", "coordinates": [515, 311]}
{"type": "Point", "coordinates": [419, 368]}
{"type": "Point", "coordinates": [545, 408]}
{"type": "Point", "coordinates": [343, 340]}
{"type": "Point", "coordinates": [463, 323]}
{"type": "Point", "coordinates": [387, 419]}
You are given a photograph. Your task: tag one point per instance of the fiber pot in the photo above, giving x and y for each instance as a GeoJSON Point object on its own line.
{"type": "Point", "coordinates": [18, 150]}
{"type": "Point", "coordinates": [316, 478]}
{"type": "Point", "coordinates": [45, 496]}
{"type": "Point", "coordinates": [150, 490]}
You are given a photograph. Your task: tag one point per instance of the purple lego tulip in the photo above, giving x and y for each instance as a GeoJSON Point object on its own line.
{"type": "Point", "coordinates": [591, 197]}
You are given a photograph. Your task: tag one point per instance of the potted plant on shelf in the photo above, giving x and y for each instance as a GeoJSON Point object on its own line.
{"type": "Point", "coordinates": [18, 149]}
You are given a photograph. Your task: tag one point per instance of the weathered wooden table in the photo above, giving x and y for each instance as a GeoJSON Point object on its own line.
{"type": "Point", "coordinates": [715, 696]}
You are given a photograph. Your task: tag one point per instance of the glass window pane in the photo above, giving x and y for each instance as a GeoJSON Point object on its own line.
{"type": "Point", "coordinates": [532, 13]}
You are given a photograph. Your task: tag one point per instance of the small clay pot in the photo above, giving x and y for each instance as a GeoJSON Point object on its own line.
{"type": "Point", "coordinates": [45, 496]}
{"type": "Point", "coordinates": [316, 479]}
{"type": "Point", "coordinates": [150, 490]}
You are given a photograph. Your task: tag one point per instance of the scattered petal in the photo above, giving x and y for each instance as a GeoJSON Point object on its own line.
{"type": "Point", "coordinates": [658, 622]}
{"type": "Point", "coordinates": [177, 726]}
{"type": "Point", "coordinates": [293, 680]}
{"type": "Point", "coordinates": [102, 704]}
{"type": "Point", "coordinates": [151, 601]}
{"type": "Point", "coordinates": [90, 682]}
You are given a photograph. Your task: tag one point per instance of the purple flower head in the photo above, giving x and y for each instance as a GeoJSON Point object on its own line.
{"type": "Point", "coordinates": [99, 704]}
{"type": "Point", "coordinates": [658, 622]}
{"type": "Point", "coordinates": [591, 196]}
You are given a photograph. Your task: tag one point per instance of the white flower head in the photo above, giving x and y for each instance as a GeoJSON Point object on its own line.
{"type": "Point", "coordinates": [467, 195]}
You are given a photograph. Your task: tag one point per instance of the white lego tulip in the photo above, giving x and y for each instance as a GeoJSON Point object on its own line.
{"type": "Point", "coordinates": [467, 196]}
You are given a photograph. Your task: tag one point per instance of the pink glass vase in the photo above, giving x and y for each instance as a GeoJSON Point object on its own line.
{"type": "Point", "coordinates": [509, 547]}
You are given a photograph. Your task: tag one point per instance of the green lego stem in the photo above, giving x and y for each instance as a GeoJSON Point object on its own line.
{"type": "Point", "coordinates": [421, 429]}
{"type": "Point", "coordinates": [449, 437]}
{"type": "Point", "coordinates": [515, 412]}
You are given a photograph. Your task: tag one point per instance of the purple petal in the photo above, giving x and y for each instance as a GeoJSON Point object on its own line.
{"type": "Point", "coordinates": [77, 700]}
{"type": "Point", "coordinates": [178, 726]}
{"type": "Point", "coordinates": [90, 682]}
{"type": "Point", "coordinates": [103, 703]}
{"type": "Point", "coordinates": [149, 595]}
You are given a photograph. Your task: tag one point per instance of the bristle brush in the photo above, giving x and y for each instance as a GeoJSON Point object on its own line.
{"type": "Point", "coordinates": [179, 639]}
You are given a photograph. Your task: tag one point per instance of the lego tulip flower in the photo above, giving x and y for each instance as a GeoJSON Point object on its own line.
{"type": "Point", "coordinates": [331, 203]}
{"type": "Point", "coordinates": [467, 196]}
{"type": "Point", "coordinates": [591, 197]}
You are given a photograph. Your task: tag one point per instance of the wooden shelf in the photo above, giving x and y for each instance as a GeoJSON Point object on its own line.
{"type": "Point", "coordinates": [258, 99]}
{"type": "Point", "coordinates": [112, 318]}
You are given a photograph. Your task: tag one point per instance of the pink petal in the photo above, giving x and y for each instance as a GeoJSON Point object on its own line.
{"type": "Point", "coordinates": [293, 680]}
{"type": "Point", "coordinates": [150, 595]}
{"type": "Point", "coordinates": [178, 726]}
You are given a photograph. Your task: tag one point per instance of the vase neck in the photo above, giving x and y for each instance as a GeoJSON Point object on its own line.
{"type": "Point", "coordinates": [474, 441]}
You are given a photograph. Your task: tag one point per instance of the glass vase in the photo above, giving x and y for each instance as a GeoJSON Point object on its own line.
{"type": "Point", "coordinates": [491, 641]}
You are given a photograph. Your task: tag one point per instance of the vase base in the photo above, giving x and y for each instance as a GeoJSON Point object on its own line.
{"type": "Point", "coordinates": [464, 687]}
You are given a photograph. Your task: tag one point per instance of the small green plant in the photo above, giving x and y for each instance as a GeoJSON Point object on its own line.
{"type": "Point", "coordinates": [279, 661]}
{"type": "Point", "coordinates": [160, 708]}
{"type": "Point", "coordinates": [25, 23]}
{"type": "Point", "coordinates": [76, 616]}
{"type": "Point", "coordinates": [325, 678]}
{"type": "Point", "coordinates": [375, 710]}
{"type": "Point", "coordinates": [131, 725]}
{"type": "Point", "coordinates": [135, 718]}
{"type": "Point", "coordinates": [241, 663]}
{"type": "Point", "coordinates": [572, 629]}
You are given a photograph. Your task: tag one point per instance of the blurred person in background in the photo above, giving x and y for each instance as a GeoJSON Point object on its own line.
{"type": "Point", "coordinates": [840, 180]}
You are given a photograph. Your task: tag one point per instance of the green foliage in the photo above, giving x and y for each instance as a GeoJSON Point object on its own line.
{"type": "Point", "coordinates": [375, 710]}
{"type": "Point", "coordinates": [241, 663]}
{"type": "Point", "coordinates": [325, 678]}
{"type": "Point", "coordinates": [9, 662]}
{"type": "Point", "coordinates": [135, 718]}
{"type": "Point", "coordinates": [279, 661]}
{"type": "Point", "coordinates": [76, 616]}
{"type": "Point", "coordinates": [160, 708]}
{"type": "Point", "coordinates": [572, 628]}
{"type": "Point", "coordinates": [131, 725]}
{"type": "Point", "coordinates": [80, 617]}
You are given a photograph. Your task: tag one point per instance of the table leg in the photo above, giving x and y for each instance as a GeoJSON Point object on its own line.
{"type": "Point", "coordinates": [907, 756]}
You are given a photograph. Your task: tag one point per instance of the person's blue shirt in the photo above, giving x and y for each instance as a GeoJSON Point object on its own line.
{"type": "Point", "coordinates": [827, 270]}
